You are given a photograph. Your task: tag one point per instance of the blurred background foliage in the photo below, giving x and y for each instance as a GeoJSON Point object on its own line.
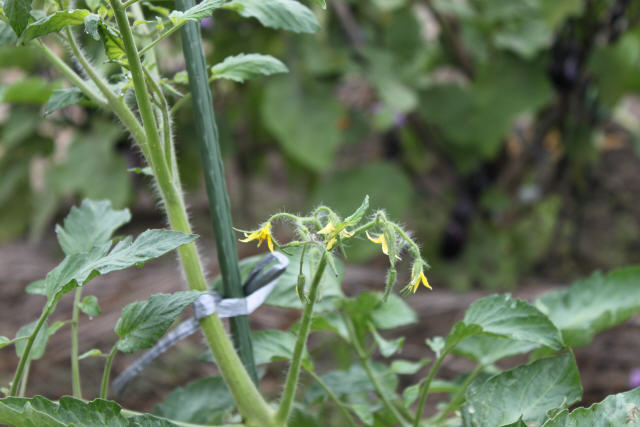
{"type": "Point", "coordinates": [506, 133]}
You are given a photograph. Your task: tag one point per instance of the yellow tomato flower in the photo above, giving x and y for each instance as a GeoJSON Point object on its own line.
{"type": "Point", "coordinates": [420, 278]}
{"type": "Point", "coordinates": [261, 235]}
{"type": "Point", "coordinates": [383, 242]}
{"type": "Point", "coordinates": [330, 229]}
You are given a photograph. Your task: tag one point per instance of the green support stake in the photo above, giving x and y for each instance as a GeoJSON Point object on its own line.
{"type": "Point", "coordinates": [207, 132]}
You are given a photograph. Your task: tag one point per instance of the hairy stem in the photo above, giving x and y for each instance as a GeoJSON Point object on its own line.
{"type": "Point", "coordinates": [249, 401]}
{"type": "Point", "coordinates": [343, 408]}
{"type": "Point", "coordinates": [364, 359]}
{"type": "Point", "coordinates": [104, 389]}
{"type": "Point", "coordinates": [424, 391]}
{"type": "Point", "coordinates": [17, 378]}
{"type": "Point", "coordinates": [303, 333]}
{"type": "Point", "coordinates": [75, 366]}
{"type": "Point", "coordinates": [73, 77]}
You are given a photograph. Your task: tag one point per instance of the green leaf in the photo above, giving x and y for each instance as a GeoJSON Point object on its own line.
{"type": "Point", "coordinates": [204, 401]}
{"type": "Point", "coordinates": [436, 344]}
{"type": "Point", "coordinates": [197, 12]}
{"type": "Point", "coordinates": [61, 98]}
{"type": "Point", "coordinates": [55, 22]}
{"type": "Point", "coordinates": [615, 410]}
{"type": "Point", "coordinates": [18, 12]}
{"type": "Point", "coordinates": [273, 345]}
{"type": "Point", "coordinates": [487, 349]}
{"type": "Point", "coordinates": [387, 347]}
{"type": "Point", "coordinates": [513, 318]}
{"type": "Point", "coordinates": [247, 66]}
{"type": "Point", "coordinates": [36, 288]}
{"type": "Point", "coordinates": [92, 24]}
{"type": "Point", "coordinates": [321, 3]}
{"type": "Point", "coordinates": [7, 35]}
{"type": "Point", "coordinates": [89, 306]}
{"type": "Point", "coordinates": [112, 42]}
{"type": "Point", "coordinates": [70, 412]}
{"type": "Point", "coordinates": [78, 269]}
{"type": "Point", "coordinates": [393, 313]}
{"type": "Point", "coordinates": [280, 14]}
{"type": "Point", "coordinates": [91, 224]}
{"type": "Point", "coordinates": [29, 90]}
{"type": "Point", "coordinates": [351, 383]}
{"type": "Point", "coordinates": [94, 352]}
{"type": "Point", "coordinates": [39, 344]}
{"type": "Point", "coordinates": [284, 293]}
{"type": "Point", "coordinates": [406, 367]}
{"type": "Point", "coordinates": [142, 323]}
{"type": "Point", "coordinates": [528, 391]}
{"type": "Point", "coordinates": [304, 121]}
{"type": "Point", "coordinates": [355, 218]}
{"type": "Point", "coordinates": [594, 304]}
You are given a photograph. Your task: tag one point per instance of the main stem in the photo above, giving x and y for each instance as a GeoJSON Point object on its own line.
{"type": "Point", "coordinates": [303, 333]}
{"type": "Point", "coordinates": [249, 401]}
{"type": "Point", "coordinates": [75, 365]}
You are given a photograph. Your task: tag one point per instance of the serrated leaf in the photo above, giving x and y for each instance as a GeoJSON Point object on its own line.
{"type": "Point", "coordinates": [18, 12]}
{"type": "Point", "coordinates": [487, 349]}
{"type": "Point", "coordinates": [91, 224]}
{"type": "Point", "coordinates": [204, 401]}
{"type": "Point", "coordinates": [615, 410]}
{"type": "Point", "coordinates": [112, 42]}
{"type": "Point", "coordinates": [39, 344]}
{"type": "Point", "coordinates": [55, 22]}
{"type": "Point", "coordinates": [280, 14]}
{"type": "Point", "coordinates": [247, 66]}
{"type": "Point", "coordinates": [79, 268]}
{"type": "Point", "coordinates": [89, 306]}
{"type": "Point", "coordinates": [94, 352]}
{"type": "Point", "coordinates": [594, 304]}
{"type": "Point", "coordinates": [508, 317]}
{"type": "Point", "coordinates": [91, 25]}
{"type": "Point", "coordinates": [39, 411]}
{"type": "Point", "coordinates": [61, 98]}
{"type": "Point", "coordinates": [142, 323]}
{"type": "Point", "coordinates": [528, 391]}
{"type": "Point", "coordinates": [197, 12]}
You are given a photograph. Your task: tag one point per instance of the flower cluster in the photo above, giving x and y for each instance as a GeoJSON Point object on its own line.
{"type": "Point", "coordinates": [325, 230]}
